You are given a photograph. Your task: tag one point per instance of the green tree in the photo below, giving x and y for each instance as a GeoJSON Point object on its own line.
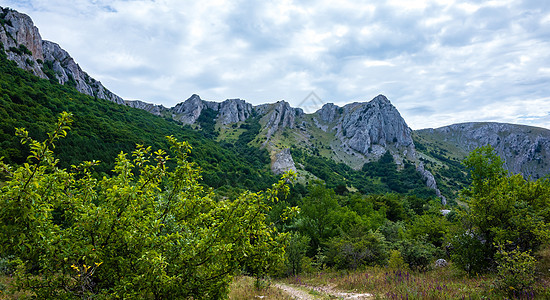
{"type": "Point", "coordinates": [144, 232]}
{"type": "Point", "coordinates": [501, 210]}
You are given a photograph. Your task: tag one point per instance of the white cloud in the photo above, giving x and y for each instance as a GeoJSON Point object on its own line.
{"type": "Point", "coordinates": [439, 62]}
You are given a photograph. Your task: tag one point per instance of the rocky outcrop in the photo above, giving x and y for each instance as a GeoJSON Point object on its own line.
{"type": "Point", "coordinates": [524, 149]}
{"type": "Point", "coordinates": [229, 111]}
{"type": "Point", "coordinates": [188, 111]}
{"type": "Point", "coordinates": [156, 110]}
{"type": "Point", "coordinates": [282, 162]}
{"type": "Point", "coordinates": [376, 122]}
{"type": "Point", "coordinates": [24, 45]}
{"type": "Point", "coordinates": [430, 181]}
{"type": "Point", "coordinates": [329, 112]}
{"type": "Point", "coordinates": [233, 111]}
{"type": "Point", "coordinates": [278, 116]}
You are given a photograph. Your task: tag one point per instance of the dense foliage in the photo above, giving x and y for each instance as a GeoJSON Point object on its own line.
{"type": "Point", "coordinates": [503, 211]}
{"type": "Point", "coordinates": [102, 129]}
{"type": "Point", "coordinates": [145, 231]}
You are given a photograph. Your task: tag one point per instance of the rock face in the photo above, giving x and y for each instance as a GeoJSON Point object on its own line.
{"type": "Point", "coordinates": [188, 111]}
{"type": "Point", "coordinates": [373, 123]}
{"type": "Point", "coordinates": [233, 111]}
{"type": "Point", "coordinates": [430, 181]}
{"type": "Point", "coordinates": [24, 45]}
{"type": "Point", "coordinates": [329, 112]}
{"type": "Point", "coordinates": [229, 111]}
{"type": "Point", "coordinates": [282, 162]}
{"type": "Point", "coordinates": [156, 110]}
{"type": "Point", "coordinates": [279, 116]}
{"type": "Point", "coordinates": [524, 149]}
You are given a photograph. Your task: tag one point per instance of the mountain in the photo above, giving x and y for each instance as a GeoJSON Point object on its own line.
{"type": "Point", "coordinates": [23, 44]}
{"type": "Point", "coordinates": [363, 146]}
{"type": "Point", "coordinates": [353, 135]}
{"type": "Point", "coordinates": [525, 149]}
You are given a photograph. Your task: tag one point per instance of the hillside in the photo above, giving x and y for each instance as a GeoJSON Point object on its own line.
{"type": "Point", "coordinates": [338, 145]}
{"type": "Point", "coordinates": [525, 149]}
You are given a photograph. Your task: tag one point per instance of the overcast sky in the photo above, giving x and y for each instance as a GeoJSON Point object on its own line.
{"type": "Point", "coordinates": [439, 62]}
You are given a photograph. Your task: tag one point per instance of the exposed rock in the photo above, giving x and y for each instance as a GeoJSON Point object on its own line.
{"type": "Point", "coordinates": [319, 125]}
{"type": "Point", "coordinates": [229, 111]}
{"type": "Point", "coordinates": [441, 263]}
{"type": "Point", "coordinates": [430, 181]}
{"type": "Point", "coordinates": [523, 148]}
{"type": "Point", "coordinates": [19, 37]}
{"type": "Point", "coordinates": [188, 111]}
{"type": "Point", "coordinates": [234, 111]}
{"type": "Point", "coordinates": [152, 108]}
{"type": "Point", "coordinates": [282, 162]}
{"type": "Point", "coordinates": [19, 31]}
{"type": "Point", "coordinates": [328, 113]}
{"type": "Point", "coordinates": [373, 123]}
{"type": "Point", "coordinates": [279, 116]}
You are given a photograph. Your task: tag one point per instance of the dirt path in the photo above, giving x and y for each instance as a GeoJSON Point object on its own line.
{"type": "Point", "coordinates": [294, 292]}
{"type": "Point", "coordinates": [323, 292]}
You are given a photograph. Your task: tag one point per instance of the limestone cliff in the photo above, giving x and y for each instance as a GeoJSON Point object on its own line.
{"type": "Point", "coordinates": [278, 116]}
{"type": "Point", "coordinates": [156, 110]}
{"type": "Point", "coordinates": [524, 149]}
{"type": "Point", "coordinates": [23, 44]}
{"type": "Point", "coordinates": [377, 122]}
{"type": "Point", "coordinates": [228, 112]}
{"type": "Point", "coordinates": [282, 162]}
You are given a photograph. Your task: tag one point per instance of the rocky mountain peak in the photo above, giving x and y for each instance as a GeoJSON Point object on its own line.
{"type": "Point", "coordinates": [329, 112]}
{"type": "Point", "coordinates": [234, 111]}
{"type": "Point", "coordinates": [278, 116]}
{"type": "Point", "coordinates": [156, 110]}
{"type": "Point", "coordinates": [523, 148]}
{"type": "Point", "coordinates": [189, 110]}
{"type": "Point", "coordinates": [229, 111]}
{"type": "Point", "coordinates": [377, 122]}
{"type": "Point", "coordinates": [24, 45]}
{"type": "Point", "coordinates": [381, 100]}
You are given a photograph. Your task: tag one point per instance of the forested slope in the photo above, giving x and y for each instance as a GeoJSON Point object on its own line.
{"type": "Point", "coordinates": [102, 129]}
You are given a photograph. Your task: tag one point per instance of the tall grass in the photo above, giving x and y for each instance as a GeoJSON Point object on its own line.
{"type": "Point", "coordinates": [442, 283]}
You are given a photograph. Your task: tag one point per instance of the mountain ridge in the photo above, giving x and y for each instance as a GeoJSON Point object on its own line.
{"type": "Point", "coordinates": [23, 44]}
{"type": "Point", "coordinates": [355, 134]}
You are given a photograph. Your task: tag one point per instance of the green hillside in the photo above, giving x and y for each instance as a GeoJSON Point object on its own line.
{"type": "Point", "coordinates": [103, 129]}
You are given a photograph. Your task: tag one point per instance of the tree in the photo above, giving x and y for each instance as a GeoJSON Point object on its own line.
{"type": "Point", "coordinates": [144, 232]}
{"type": "Point", "coordinates": [502, 210]}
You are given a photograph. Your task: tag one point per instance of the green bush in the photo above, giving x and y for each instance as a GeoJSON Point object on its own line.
{"type": "Point", "coordinates": [418, 254]}
{"type": "Point", "coordinates": [515, 270]}
{"type": "Point", "coordinates": [144, 232]}
{"type": "Point", "coordinates": [396, 260]}
{"type": "Point", "coordinates": [352, 252]}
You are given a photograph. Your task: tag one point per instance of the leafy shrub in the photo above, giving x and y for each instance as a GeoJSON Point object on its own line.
{"type": "Point", "coordinates": [8, 265]}
{"type": "Point", "coordinates": [396, 261]}
{"type": "Point", "coordinates": [470, 254]}
{"type": "Point", "coordinates": [144, 232]}
{"type": "Point", "coordinates": [351, 252]}
{"type": "Point", "coordinates": [418, 254]}
{"type": "Point", "coordinates": [296, 253]}
{"type": "Point", "coordinates": [515, 270]}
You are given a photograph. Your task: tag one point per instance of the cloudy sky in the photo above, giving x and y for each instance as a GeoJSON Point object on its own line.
{"type": "Point", "coordinates": [439, 62]}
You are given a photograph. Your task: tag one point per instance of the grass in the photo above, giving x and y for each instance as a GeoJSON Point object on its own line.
{"type": "Point", "coordinates": [442, 283]}
{"type": "Point", "coordinates": [7, 282]}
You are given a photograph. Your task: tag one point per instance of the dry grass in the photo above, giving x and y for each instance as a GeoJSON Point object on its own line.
{"type": "Point", "coordinates": [5, 283]}
{"type": "Point", "coordinates": [443, 283]}
{"type": "Point", "coordinates": [243, 288]}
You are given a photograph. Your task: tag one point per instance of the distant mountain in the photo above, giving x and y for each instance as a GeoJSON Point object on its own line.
{"type": "Point", "coordinates": [340, 145]}
{"type": "Point", "coordinates": [525, 149]}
